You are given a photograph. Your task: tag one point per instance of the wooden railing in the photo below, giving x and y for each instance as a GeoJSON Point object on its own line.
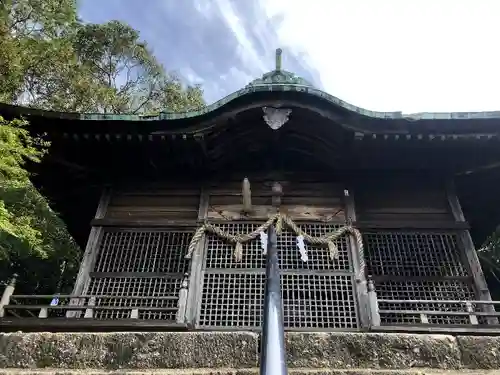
{"type": "Point", "coordinates": [474, 311]}
{"type": "Point", "coordinates": [87, 305]}
{"type": "Point", "coordinates": [68, 309]}
{"type": "Point", "coordinates": [64, 312]}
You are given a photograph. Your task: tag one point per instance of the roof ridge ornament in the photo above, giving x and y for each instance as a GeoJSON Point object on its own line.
{"type": "Point", "coordinates": [279, 51]}
{"type": "Point", "coordinates": [276, 117]}
{"type": "Point", "coordinates": [278, 76]}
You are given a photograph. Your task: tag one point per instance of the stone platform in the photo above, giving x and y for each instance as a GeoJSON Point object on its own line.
{"type": "Point", "coordinates": [248, 372]}
{"type": "Point", "coordinates": [236, 353]}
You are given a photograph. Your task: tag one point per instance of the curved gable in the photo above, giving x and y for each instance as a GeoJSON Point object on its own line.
{"type": "Point", "coordinates": [278, 88]}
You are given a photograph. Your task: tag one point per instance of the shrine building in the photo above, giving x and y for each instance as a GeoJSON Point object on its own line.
{"type": "Point", "coordinates": [376, 213]}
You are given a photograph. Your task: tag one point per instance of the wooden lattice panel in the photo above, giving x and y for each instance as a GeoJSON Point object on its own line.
{"type": "Point", "coordinates": [220, 253]}
{"type": "Point", "coordinates": [443, 290]}
{"type": "Point", "coordinates": [413, 254]}
{"type": "Point", "coordinates": [139, 263]}
{"type": "Point", "coordinates": [232, 292]}
{"type": "Point", "coordinates": [157, 289]}
{"type": "Point", "coordinates": [418, 265]}
{"type": "Point", "coordinates": [309, 301]}
{"type": "Point", "coordinates": [142, 251]}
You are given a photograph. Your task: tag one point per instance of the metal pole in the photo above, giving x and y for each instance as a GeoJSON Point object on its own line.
{"type": "Point", "coordinates": [272, 354]}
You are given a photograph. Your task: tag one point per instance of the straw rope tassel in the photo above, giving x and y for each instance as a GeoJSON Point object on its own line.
{"type": "Point", "coordinates": [333, 250]}
{"type": "Point", "coordinates": [238, 252]}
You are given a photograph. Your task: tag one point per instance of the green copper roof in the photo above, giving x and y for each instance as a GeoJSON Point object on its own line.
{"type": "Point", "coordinates": [280, 77]}
{"type": "Point", "coordinates": [277, 80]}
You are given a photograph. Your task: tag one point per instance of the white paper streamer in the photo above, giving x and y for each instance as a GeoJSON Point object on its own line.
{"type": "Point", "coordinates": [302, 248]}
{"type": "Point", "coordinates": [263, 242]}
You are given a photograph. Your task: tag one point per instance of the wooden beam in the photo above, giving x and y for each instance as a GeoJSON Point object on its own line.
{"type": "Point", "coordinates": [195, 270]}
{"type": "Point", "coordinates": [89, 257]}
{"type": "Point", "coordinates": [141, 223]}
{"type": "Point", "coordinates": [440, 329]}
{"type": "Point", "coordinates": [420, 225]}
{"type": "Point", "coordinates": [358, 260]}
{"type": "Point", "coordinates": [86, 325]}
{"type": "Point", "coordinates": [68, 164]}
{"type": "Point", "coordinates": [470, 254]}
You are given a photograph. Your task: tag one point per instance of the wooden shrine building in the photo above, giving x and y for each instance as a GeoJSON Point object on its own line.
{"type": "Point", "coordinates": [414, 187]}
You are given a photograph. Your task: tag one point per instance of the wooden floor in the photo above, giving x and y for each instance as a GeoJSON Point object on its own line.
{"type": "Point", "coordinates": [128, 325]}
{"type": "Point", "coordinates": [89, 325]}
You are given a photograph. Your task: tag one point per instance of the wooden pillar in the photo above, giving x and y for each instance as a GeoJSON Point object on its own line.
{"type": "Point", "coordinates": [89, 257]}
{"type": "Point", "coordinates": [7, 293]}
{"type": "Point", "coordinates": [182, 302]}
{"type": "Point", "coordinates": [372, 304]}
{"type": "Point", "coordinates": [470, 254]}
{"type": "Point", "coordinates": [195, 269]}
{"type": "Point", "coordinates": [89, 313]}
{"type": "Point", "coordinates": [358, 261]}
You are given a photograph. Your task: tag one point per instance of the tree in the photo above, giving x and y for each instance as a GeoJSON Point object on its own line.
{"type": "Point", "coordinates": [174, 98]}
{"type": "Point", "coordinates": [16, 147]}
{"type": "Point", "coordinates": [125, 75]}
{"type": "Point", "coordinates": [112, 71]}
{"type": "Point", "coordinates": [51, 60]}
{"type": "Point", "coordinates": [34, 45]}
{"type": "Point", "coordinates": [34, 242]}
{"type": "Point", "coordinates": [489, 255]}
{"type": "Point", "coordinates": [37, 18]}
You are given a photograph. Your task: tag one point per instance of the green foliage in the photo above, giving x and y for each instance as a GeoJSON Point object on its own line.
{"type": "Point", "coordinates": [40, 244]}
{"type": "Point", "coordinates": [17, 147]}
{"type": "Point", "coordinates": [489, 255]}
{"type": "Point", "coordinates": [125, 75]}
{"type": "Point", "coordinates": [38, 18]}
{"type": "Point", "coordinates": [174, 98]}
{"type": "Point", "coordinates": [51, 60]}
{"type": "Point", "coordinates": [33, 46]}
{"type": "Point", "coordinates": [30, 232]}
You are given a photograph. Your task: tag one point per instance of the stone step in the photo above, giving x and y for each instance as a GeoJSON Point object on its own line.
{"type": "Point", "coordinates": [253, 371]}
{"type": "Point", "coordinates": [240, 350]}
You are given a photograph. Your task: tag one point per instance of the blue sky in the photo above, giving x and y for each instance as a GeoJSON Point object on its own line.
{"type": "Point", "coordinates": [385, 55]}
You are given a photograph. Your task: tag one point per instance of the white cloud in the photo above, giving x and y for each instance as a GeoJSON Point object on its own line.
{"type": "Point", "coordinates": [411, 55]}
{"type": "Point", "coordinates": [246, 49]}
{"type": "Point", "coordinates": [385, 55]}
{"type": "Point", "coordinates": [203, 7]}
{"type": "Point", "coordinates": [190, 75]}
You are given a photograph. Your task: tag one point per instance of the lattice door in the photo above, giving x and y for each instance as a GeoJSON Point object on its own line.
{"type": "Point", "coordinates": [317, 294]}
{"type": "Point", "coordinates": [146, 266]}
{"type": "Point", "coordinates": [418, 265]}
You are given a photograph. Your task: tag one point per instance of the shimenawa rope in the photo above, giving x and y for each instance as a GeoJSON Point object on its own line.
{"type": "Point", "coordinates": [329, 239]}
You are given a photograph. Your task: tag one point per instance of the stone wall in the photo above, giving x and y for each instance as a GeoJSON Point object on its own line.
{"type": "Point", "coordinates": [197, 352]}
